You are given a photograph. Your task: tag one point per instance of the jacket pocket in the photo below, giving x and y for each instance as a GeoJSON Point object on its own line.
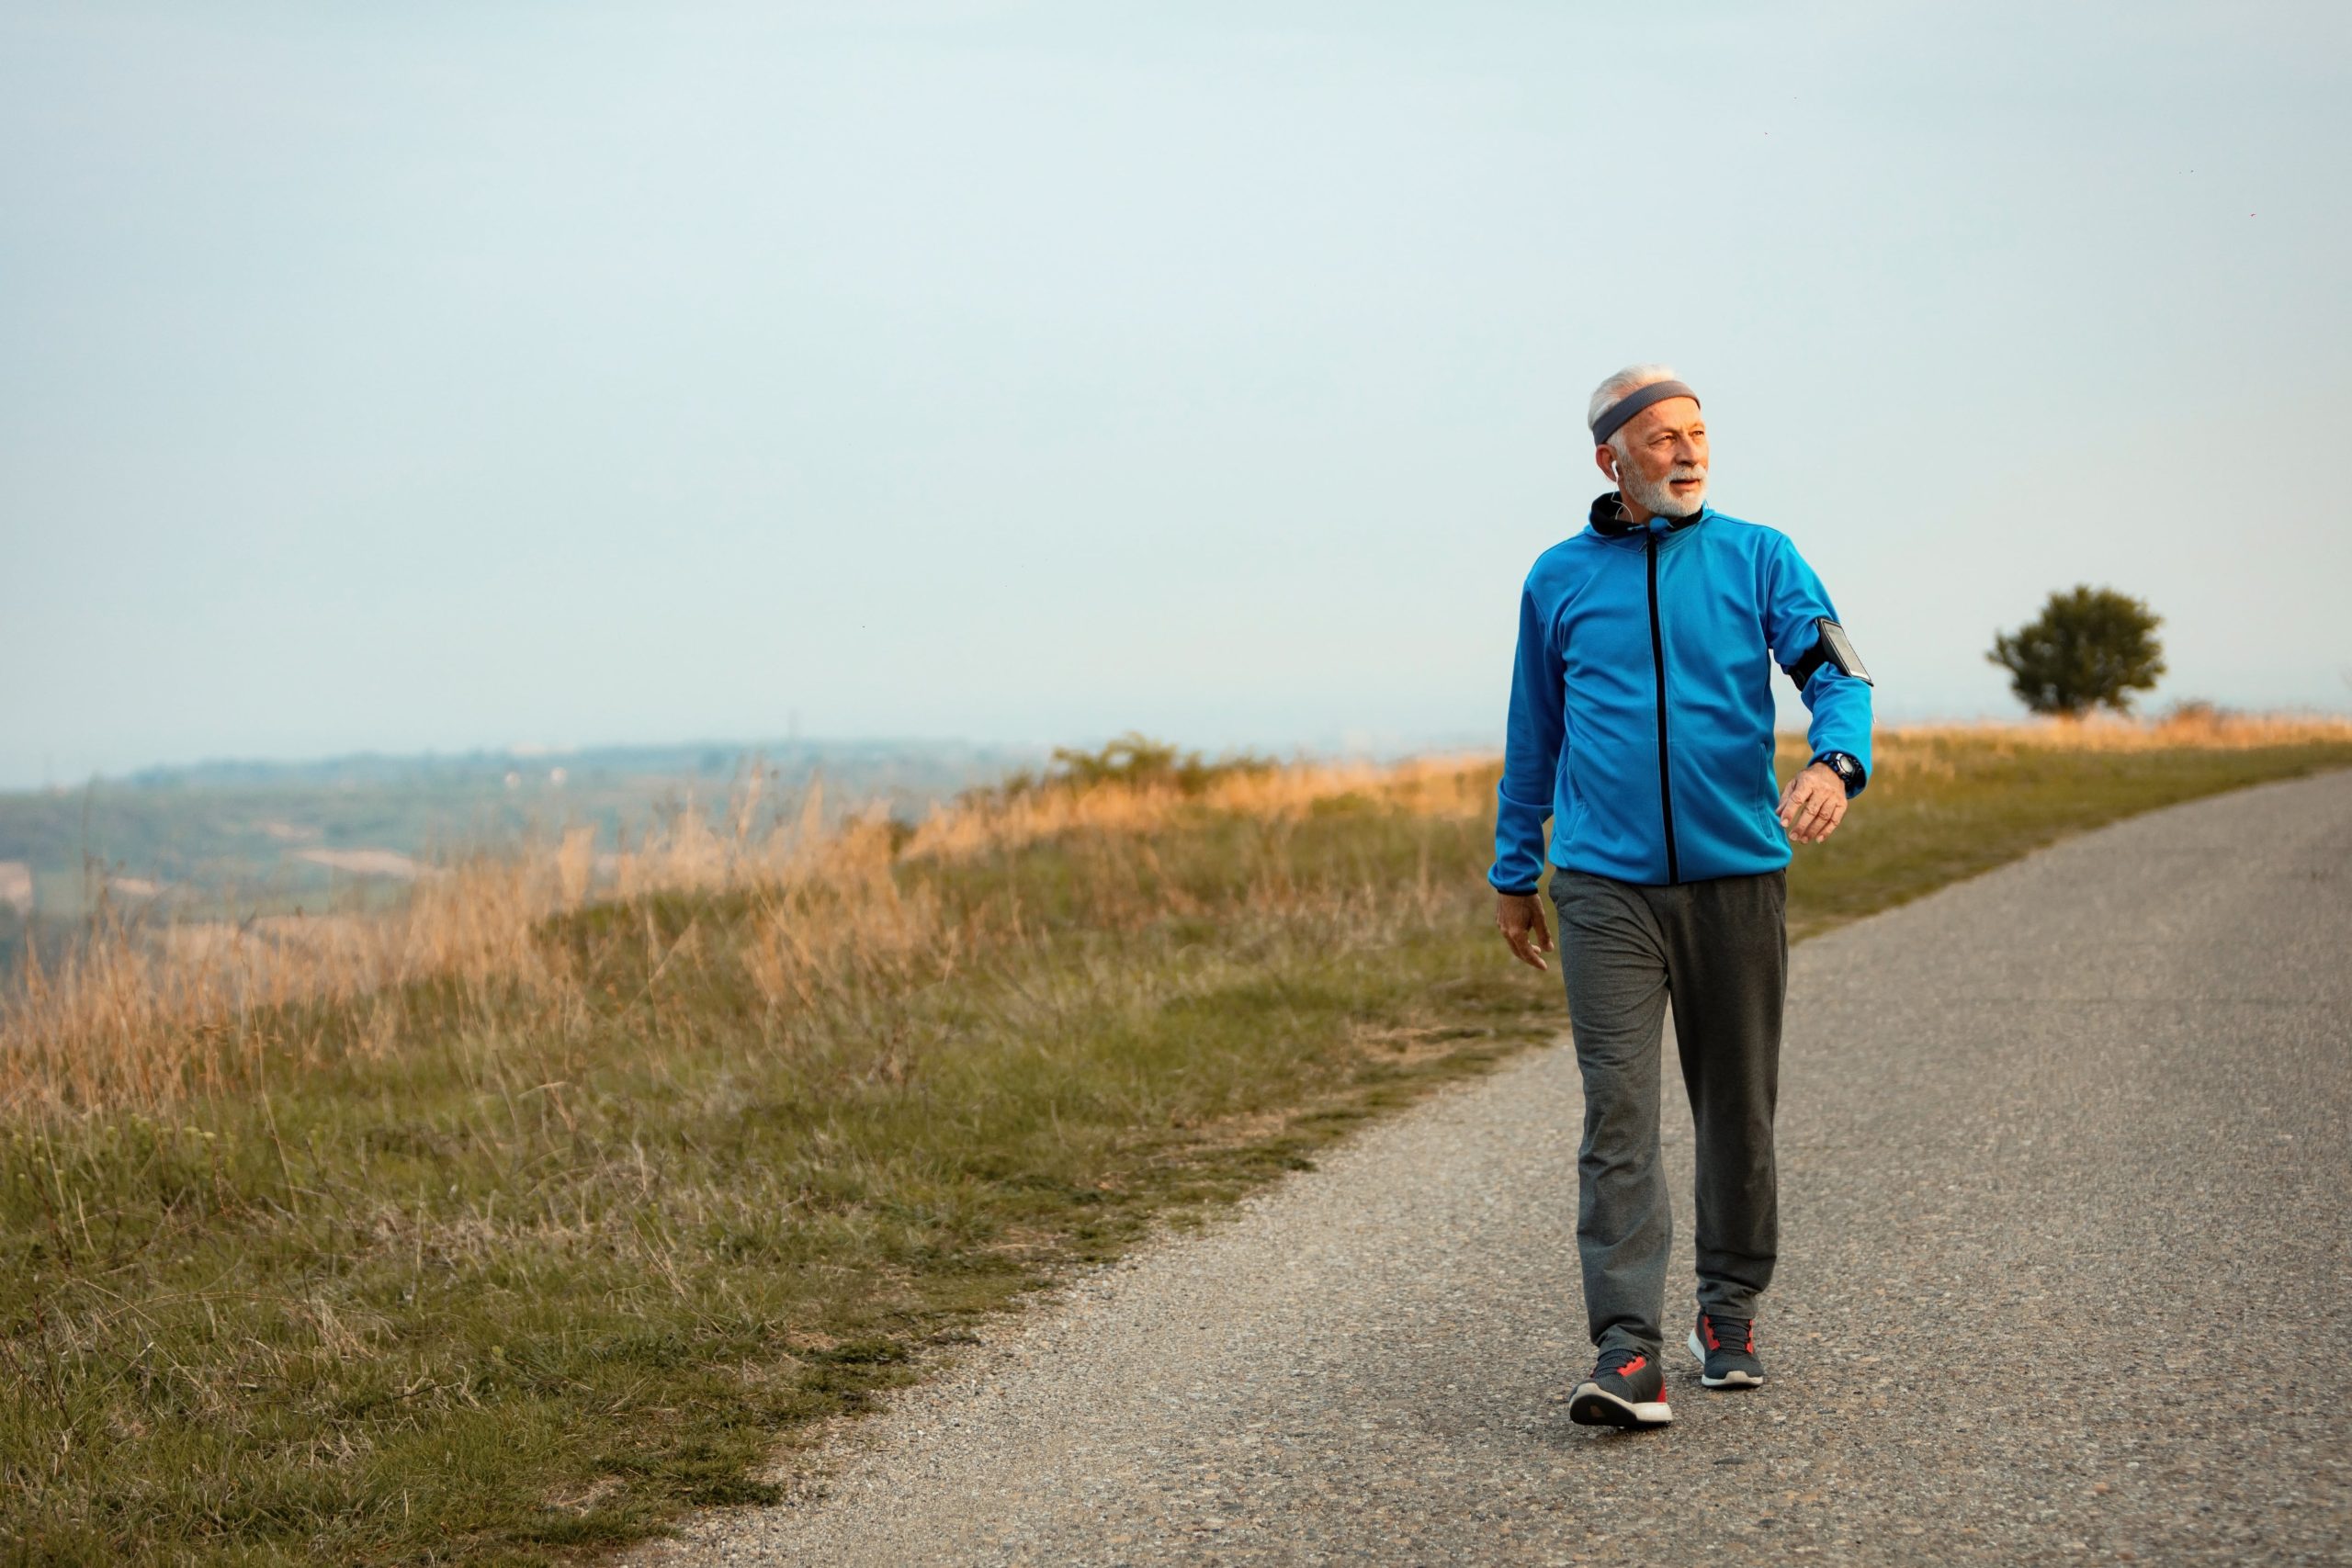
{"type": "Point", "coordinates": [1614, 818]}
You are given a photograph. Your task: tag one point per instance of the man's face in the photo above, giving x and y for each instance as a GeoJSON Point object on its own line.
{"type": "Point", "coordinates": [1666, 470]}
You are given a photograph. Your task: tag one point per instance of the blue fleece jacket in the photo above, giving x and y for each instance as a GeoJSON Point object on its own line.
{"type": "Point", "coordinates": [1641, 701]}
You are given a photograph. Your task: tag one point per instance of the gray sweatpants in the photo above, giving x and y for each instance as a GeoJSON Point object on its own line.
{"type": "Point", "coordinates": [1719, 950]}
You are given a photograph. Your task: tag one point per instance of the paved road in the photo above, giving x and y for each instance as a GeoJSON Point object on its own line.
{"type": "Point", "coordinates": [2065, 1173]}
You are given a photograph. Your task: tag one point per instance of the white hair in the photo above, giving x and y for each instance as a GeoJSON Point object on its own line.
{"type": "Point", "coordinates": [1627, 380]}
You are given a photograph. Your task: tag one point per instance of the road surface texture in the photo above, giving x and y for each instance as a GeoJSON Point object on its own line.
{"type": "Point", "coordinates": [2065, 1178]}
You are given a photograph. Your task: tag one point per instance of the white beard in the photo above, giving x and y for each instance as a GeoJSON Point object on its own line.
{"type": "Point", "coordinates": [1657, 499]}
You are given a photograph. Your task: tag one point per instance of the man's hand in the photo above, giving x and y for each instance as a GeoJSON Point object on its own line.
{"type": "Point", "coordinates": [1521, 917]}
{"type": "Point", "coordinates": [1813, 805]}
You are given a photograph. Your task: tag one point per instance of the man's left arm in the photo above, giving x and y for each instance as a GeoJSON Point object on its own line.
{"type": "Point", "coordinates": [1812, 645]}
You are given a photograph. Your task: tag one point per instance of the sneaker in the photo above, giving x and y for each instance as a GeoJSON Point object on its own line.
{"type": "Point", "coordinates": [1627, 1389]}
{"type": "Point", "coordinates": [1727, 1347]}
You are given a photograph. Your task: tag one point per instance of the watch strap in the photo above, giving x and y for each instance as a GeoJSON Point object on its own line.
{"type": "Point", "coordinates": [1848, 769]}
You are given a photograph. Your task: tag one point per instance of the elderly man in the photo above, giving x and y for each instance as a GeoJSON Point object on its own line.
{"type": "Point", "coordinates": [1641, 724]}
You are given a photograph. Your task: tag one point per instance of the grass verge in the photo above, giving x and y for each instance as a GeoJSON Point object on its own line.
{"type": "Point", "coordinates": [512, 1269]}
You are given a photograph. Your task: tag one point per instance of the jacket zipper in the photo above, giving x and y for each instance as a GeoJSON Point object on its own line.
{"type": "Point", "coordinates": [1658, 658]}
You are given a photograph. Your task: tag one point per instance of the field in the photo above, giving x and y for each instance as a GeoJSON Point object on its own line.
{"type": "Point", "coordinates": [503, 1225]}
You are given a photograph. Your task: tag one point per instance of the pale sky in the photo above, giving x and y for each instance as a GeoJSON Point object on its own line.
{"type": "Point", "coordinates": [443, 376]}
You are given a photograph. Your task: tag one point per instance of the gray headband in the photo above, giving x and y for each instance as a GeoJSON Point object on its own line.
{"type": "Point", "coordinates": [1612, 419]}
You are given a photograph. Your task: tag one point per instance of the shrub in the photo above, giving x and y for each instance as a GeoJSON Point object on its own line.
{"type": "Point", "coordinates": [1133, 762]}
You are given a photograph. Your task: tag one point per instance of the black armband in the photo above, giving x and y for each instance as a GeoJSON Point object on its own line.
{"type": "Point", "coordinates": [1831, 648]}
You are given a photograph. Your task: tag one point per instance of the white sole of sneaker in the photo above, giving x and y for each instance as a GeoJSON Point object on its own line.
{"type": "Point", "coordinates": [1736, 1380]}
{"type": "Point", "coordinates": [1593, 1405]}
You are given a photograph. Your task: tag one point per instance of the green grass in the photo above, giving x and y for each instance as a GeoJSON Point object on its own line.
{"type": "Point", "coordinates": [556, 1266]}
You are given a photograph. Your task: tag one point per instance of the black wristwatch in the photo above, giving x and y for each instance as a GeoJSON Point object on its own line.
{"type": "Point", "coordinates": [1848, 768]}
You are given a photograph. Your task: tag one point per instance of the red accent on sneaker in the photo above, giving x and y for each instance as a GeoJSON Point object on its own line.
{"type": "Point", "coordinates": [1707, 1328]}
{"type": "Point", "coordinates": [1635, 1365]}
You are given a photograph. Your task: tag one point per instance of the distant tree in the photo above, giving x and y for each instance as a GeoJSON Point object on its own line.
{"type": "Point", "coordinates": [2090, 646]}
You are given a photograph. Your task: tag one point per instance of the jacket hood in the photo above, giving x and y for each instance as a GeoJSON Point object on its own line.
{"type": "Point", "coordinates": [1608, 516]}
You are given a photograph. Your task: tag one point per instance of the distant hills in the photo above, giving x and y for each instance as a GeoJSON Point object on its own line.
{"type": "Point", "coordinates": [224, 837]}
{"type": "Point", "coordinates": [917, 764]}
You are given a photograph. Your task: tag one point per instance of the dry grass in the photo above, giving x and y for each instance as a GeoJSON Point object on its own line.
{"type": "Point", "coordinates": [145, 1013]}
{"type": "Point", "coordinates": [1944, 751]}
{"type": "Point", "coordinates": [559, 1226]}
{"type": "Point", "coordinates": [2195, 726]}
{"type": "Point", "coordinates": [1431, 786]}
